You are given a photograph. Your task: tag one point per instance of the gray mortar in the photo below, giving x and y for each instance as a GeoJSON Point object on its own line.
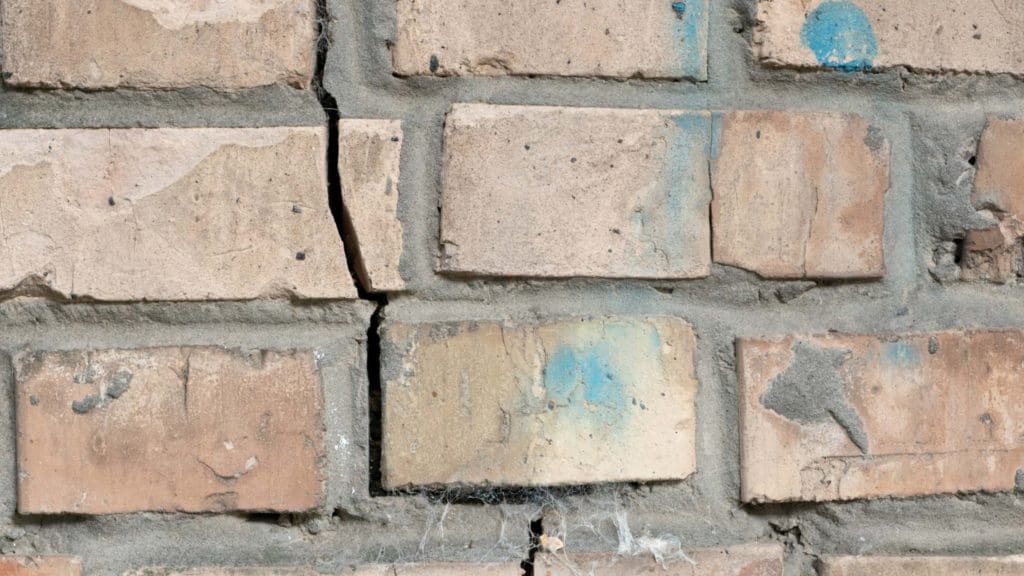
{"type": "Point", "coordinates": [932, 122]}
{"type": "Point", "coordinates": [812, 389]}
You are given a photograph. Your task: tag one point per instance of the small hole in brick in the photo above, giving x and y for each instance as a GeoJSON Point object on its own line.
{"type": "Point", "coordinates": [300, 256]}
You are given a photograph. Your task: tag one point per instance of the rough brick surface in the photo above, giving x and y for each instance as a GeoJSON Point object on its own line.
{"type": "Point", "coordinates": [170, 429]}
{"type": "Point", "coordinates": [370, 154]}
{"type": "Point", "coordinates": [841, 417]}
{"type": "Point", "coordinates": [921, 566]}
{"type": "Point", "coordinates": [749, 560]}
{"type": "Point", "coordinates": [560, 192]}
{"type": "Point", "coordinates": [926, 35]}
{"type": "Point", "coordinates": [618, 38]}
{"type": "Point", "coordinates": [169, 214]}
{"type": "Point", "coordinates": [423, 569]}
{"type": "Point", "coordinates": [800, 195]}
{"type": "Point", "coordinates": [97, 44]}
{"type": "Point", "coordinates": [995, 253]}
{"type": "Point", "coordinates": [40, 566]}
{"type": "Point", "coordinates": [568, 402]}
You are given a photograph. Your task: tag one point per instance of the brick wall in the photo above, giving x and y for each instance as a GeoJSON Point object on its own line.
{"type": "Point", "coordinates": [541, 287]}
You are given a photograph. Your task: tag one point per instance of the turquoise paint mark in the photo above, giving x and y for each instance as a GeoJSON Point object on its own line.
{"type": "Point", "coordinates": [690, 31]}
{"type": "Point", "coordinates": [573, 375]}
{"type": "Point", "coordinates": [840, 35]}
{"type": "Point", "coordinates": [901, 354]}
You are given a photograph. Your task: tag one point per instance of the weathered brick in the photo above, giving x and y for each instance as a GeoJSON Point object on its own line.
{"type": "Point", "coordinates": [746, 560]}
{"type": "Point", "coordinates": [995, 253]}
{"type": "Point", "coordinates": [370, 154]}
{"type": "Point", "coordinates": [926, 35]}
{"type": "Point", "coordinates": [169, 429]}
{"type": "Point", "coordinates": [921, 566]}
{"type": "Point", "coordinates": [800, 195]}
{"type": "Point", "coordinates": [566, 402]}
{"type": "Point", "coordinates": [840, 417]}
{"type": "Point", "coordinates": [638, 38]}
{"type": "Point", "coordinates": [561, 192]}
{"type": "Point", "coordinates": [97, 44]}
{"type": "Point", "coordinates": [40, 566]}
{"type": "Point", "coordinates": [169, 214]}
{"type": "Point", "coordinates": [440, 569]}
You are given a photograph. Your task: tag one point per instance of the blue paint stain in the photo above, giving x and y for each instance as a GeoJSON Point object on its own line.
{"type": "Point", "coordinates": [901, 353]}
{"type": "Point", "coordinates": [690, 31]}
{"type": "Point", "coordinates": [840, 35]}
{"type": "Point", "coordinates": [573, 375]}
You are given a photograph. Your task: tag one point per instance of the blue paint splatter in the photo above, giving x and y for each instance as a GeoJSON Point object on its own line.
{"type": "Point", "coordinates": [901, 353]}
{"type": "Point", "coordinates": [588, 375]}
{"type": "Point", "coordinates": [679, 8]}
{"type": "Point", "coordinates": [840, 35]}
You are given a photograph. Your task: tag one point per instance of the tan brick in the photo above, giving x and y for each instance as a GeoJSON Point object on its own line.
{"type": "Point", "coordinates": [921, 566]}
{"type": "Point", "coordinates": [841, 417]}
{"type": "Point", "coordinates": [439, 569]}
{"type": "Point", "coordinates": [370, 154]}
{"type": "Point", "coordinates": [225, 571]}
{"type": "Point", "coordinates": [623, 39]}
{"type": "Point", "coordinates": [926, 35]}
{"type": "Point", "coordinates": [561, 192]}
{"type": "Point", "coordinates": [40, 566]}
{"type": "Point", "coordinates": [565, 402]}
{"type": "Point", "coordinates": [800, 195]}
{"type": "Point", "coordinates": [747, 560]}
{"type": "Point", "coordinates": [169, 214]}
{"type": "Point", "coordinates": [98, 44]}
{"type": "Point", "coordinates": [995, 253]}
{"type": "Point", "coordinates": [168, 429]}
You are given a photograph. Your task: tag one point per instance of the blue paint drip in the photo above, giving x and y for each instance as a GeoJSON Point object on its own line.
{"type": "Point", "coordinates": [840, 35]}
{"type": "Point", "coordinates": [690, 31]}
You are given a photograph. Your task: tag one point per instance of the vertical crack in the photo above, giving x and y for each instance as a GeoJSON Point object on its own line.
{"type": "Point", "coordinates": [347, 232]}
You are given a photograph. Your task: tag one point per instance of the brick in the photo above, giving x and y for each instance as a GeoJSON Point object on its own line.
{"type": "Point", "coordinates": [621, 39]}
{"type": "Point", "coordinates": [370, 154]}
{"type": "Point", "coordinates": [921, 566]}
{"type": "Point", "coordinates": [40, 566]}
{"type": "Point", "coordinates": [561, 192]}
{"type": "Point", "coordinates": [564, 402]}
{"type": "Point", "coordinates": [193, 429]}
{"type": "Point", "coordinates": [746, 560]}
{"type": "Point", "coordinates": [842, 417]}
{"type": "Point", "coordinates": [169, 214]}
{"type": "Point", "coordinates": [800, 195]}
{"type": "Point", "coordinates": [995, 253]}
{"type": "Point", "coordinates": [925, 35]}
{"type": "Point", "coordinates": [103, 44]}
{"type": "Point", "coordinates": [439, 569]}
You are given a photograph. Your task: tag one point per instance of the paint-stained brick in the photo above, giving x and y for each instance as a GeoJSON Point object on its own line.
{"type": "Point", "coordinates": [926, 35]}
{"type": "Point", "coordinates": [40, 566]}
{"type": "Point", "coordinates": [422, 569]}
{"type": "Point", "coordinates": [746, 560]}
{"type": "Point", "coordinates": [563, 402]}
{"type": "Point", "coordinates": [102, 44]}
{"type": "Point", "coordinates": [369, 159]}
{"type": "Point", "coordinates": [841, 417]}
{"type": "Point", "coordinates": [534, 191]}
{"type": "Point", "coordinates": [921, 566]}
{"type": "Point", "coordinates": [168, 429]}
{"type": "Point", "coordinates": [169, 214]}
{"type": "Point", "coordinates": [638, 38]}
{"type": "Point", "coordinates": [800, 194]}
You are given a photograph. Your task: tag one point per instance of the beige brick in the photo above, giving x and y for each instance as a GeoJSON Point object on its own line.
{"type": "Point", "coordinates": [168, 429]}
{"type": "Point", "coordinates": [561, 192]}
{"type": "Point", "coordinates": [614, 38]}
{"type": "Point", "coordinates": [102, 44]}
{"type": "Point", "coordinates": [926, 35]}
{"type": "Point", "coordinates": [225, 571]}
{"type": "Point", "coordinates": [370, 154]}
{"type": "Point", "coordinates": [169, 214]}
{"type": "Point", "coordinates": [843, 417]}
{"type": "Point", "coordinates": [439, 569]}
{"type": "Point", "coordinates": [800, 195]}
{"type": "Point", "coordinates": [921, 566]}
{"type": "Point", "coordinates": [565, 402]}
{"type": "Point", "coordinates": [40, 566]}
{"type": "Point", "coordinates": [995, 253]}
{"type": "Point", "coordinates": [747, 560]}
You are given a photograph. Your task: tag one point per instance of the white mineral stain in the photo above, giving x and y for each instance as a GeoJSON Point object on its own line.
{"type": "Point", "coordinates": [177, 14]}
